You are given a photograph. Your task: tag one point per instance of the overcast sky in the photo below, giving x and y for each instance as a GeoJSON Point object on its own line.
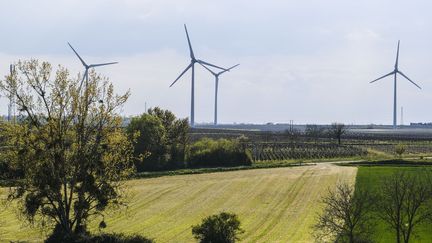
{"type": "Point", "coordinates": [307, 61]}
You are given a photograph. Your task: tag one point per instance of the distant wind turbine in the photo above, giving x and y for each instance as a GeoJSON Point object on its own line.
{"type": "Point", "coordinates": [87, 67]}
{"type": "Point", "coordinates": [395, 72]}
{"type": "Point", "coordinates": [216, 75]}
{"type": "Point", "coordinates": [192, 66]}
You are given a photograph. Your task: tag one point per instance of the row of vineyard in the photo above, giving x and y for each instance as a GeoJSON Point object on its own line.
{"type": "Point", "coordinates": [286, 151]}
{"type": "Point", "coordinates": [409, 149]}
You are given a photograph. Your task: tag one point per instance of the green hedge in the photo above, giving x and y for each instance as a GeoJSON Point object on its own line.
{"type": "Point", "coordinates": [213, 153]}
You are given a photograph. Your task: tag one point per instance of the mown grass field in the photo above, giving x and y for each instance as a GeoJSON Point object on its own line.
{"type": "Point", "coordinates": [371, 177]}
{"type": "Point", "coordinates": [274, 205]}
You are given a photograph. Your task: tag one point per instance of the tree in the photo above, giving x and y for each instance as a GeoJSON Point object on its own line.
{"type": "Point", "coordinates": [162, 138]}
{"type": "Point", "coordinates": [150, 148]}
{"type": "Point", "coordinates": [347, 215]}
{"type": "Point", "coordinates": [403, 203]}
{"type": "Point", "coordinates": [177, 131]}
{"type": "Point", "coordinates": [337, 130]}
{"type": "Point", "coordinates": [221, 228]}
{"type": "Point", "coordinates": [69, 144]}
{"type": "Point", "coordinates": [400, 149]}
{"type": "Point", "coordinates": [314, 131]}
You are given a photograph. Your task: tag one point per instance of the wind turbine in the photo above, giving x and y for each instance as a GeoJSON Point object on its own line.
{"type": "Point", "coordinates": [192, 66]}
{"type": "Point", "coordinates": [216, 75]}
{"type": "Point", "coordinates": [87, 67]}
{"type": "Point", "coordinates": [395, 72]}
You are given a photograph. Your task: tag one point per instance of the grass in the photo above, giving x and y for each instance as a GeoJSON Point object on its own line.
{"type": "Point", "coordinates": [257, 165]}
{"type": "Point", "coordinates": [273, 205]}
{"type": "Point", "coordinates": [371, 177]}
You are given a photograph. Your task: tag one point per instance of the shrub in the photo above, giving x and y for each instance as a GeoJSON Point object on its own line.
{"type": "Point", "coordinates": [56, 236]}
{"type": "Point", "coordinates": [221, 228]}
{"type": "Point", "coordinates": [400, 149]}
{"type": "Point", "coordinates": [120, 238]}
{"type": "Point", "coordinates": [210, 153]}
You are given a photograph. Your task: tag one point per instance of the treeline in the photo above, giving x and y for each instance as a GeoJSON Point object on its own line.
{"type": "Point", "coordinates": [162, 142]}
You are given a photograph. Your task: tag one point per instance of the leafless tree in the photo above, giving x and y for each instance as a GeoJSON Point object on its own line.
{"type": "Point", "coordinates": [314, 131]}
{"type": "Point", "coordinates": [337, 130]}
{"type": "Point", "coordinates": [346, 217]}
{"type": "Point", "coordinates": [403, 203]}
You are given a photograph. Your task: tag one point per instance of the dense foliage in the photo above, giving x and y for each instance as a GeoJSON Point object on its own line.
{"type": "Point", "coordinates": [69, 145]}
{"type": "Point", "coordinates": [222, 152]}
{"type": "Point", "coordinates": [221, 228]}
{"type": "Point", "coordinates": [161, 142]}
{"type": "Point", "coordinates": [101, 238]}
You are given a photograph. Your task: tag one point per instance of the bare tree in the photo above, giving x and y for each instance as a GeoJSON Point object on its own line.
{"type": "Point", "coordinates": [337, 130]}
{"type": "Point", "coordinates": [403, 203]}
{"type": "Point", "coordinates": [314, 131]}
{"type": "Point", "coordinates": [346, 217]}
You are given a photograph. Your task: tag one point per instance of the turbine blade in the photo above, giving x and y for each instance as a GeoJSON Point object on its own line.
{"type": "Point", "coordinates": [102, 64]}
{"type": "Point", "coordinates": [208, 69]}
{"type": "Point", "coordinates": [383, 77]}
{"type": "Point", "coordinates": [233, 67]}
{"type": "Point", "coordinates": [397, 56]}
{"type": "Point", "coordinates": [189, 43]}
{"type": "Point", "coordinates": [187, 68]}
{"type": "Point", "coordinates": [408, 79]}
{"type": "Point", "coordinates": [229, 69]}
{"type": "Point", "coordinates": [76, 53]}
{"type": "Point", "coordinates": [209, 64]}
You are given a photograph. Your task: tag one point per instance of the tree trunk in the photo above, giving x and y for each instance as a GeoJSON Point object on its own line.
{"type": "Point", "coordinates": [398, 235]}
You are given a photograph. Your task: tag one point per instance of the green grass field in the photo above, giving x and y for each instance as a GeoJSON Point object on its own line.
{"type": "Point", "coordinates": [370, 177]}
{"type": "Point", "coordinates": [274, 205]}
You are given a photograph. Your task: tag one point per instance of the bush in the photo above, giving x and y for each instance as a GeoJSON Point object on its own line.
{"type": "Point", "coordinates": [212, 153]}
{"type": "Point", "coordinates": [400, 149]}
{"type": "Point", "coordinates": [57, 236]}
{"type": "Point", "coordinates": [120, 238]}
{"type": "Point", "coordinates": [221, 228]}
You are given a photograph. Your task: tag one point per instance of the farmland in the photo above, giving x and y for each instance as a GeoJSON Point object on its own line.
{"type": "Point", "coordinates": [299, 151]}
{"type": "Point", "coordinates": [297, 145]}
{"type": "Point", "coordinates": [274, 205]}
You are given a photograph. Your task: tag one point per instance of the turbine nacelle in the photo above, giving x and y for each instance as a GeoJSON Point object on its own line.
{"type": "Point", "coordinates": [86, 66]}
{"type": "Point", "coordinates": [193, 59]}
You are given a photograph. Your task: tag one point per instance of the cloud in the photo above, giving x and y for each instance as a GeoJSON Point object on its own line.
{"type": "Point", "coordinates": [307, 61]}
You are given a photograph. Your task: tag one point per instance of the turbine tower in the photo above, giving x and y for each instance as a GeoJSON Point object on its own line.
{"type": "Point", "coordinates": [216, 75]}
{"type": "Point", "coordinates": [192, 66]}
{"type": "Point", "coordinates": [395, 72]}
{"type": "Point", "coordinates": [11, 97]}
{"type": "Point", "coordinates": [87, 67]}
